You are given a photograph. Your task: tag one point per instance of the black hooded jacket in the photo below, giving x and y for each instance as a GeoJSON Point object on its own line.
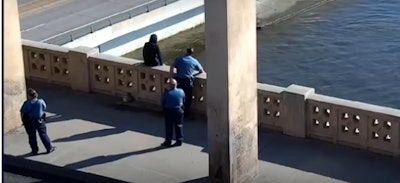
{"type": "Point", "coordinates": [151, 52]}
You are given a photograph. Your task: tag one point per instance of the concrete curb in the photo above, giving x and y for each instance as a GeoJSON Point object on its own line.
{"type": "Point", "coordinates": [32, 168]}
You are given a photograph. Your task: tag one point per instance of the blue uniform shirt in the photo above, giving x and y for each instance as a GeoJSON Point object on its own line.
{"type": "Point", "coordinates": [173, 98]}
{"type": "Point", "coordinates": [186, 65]}
{"type": "Point", "coordinates": [34, 109]}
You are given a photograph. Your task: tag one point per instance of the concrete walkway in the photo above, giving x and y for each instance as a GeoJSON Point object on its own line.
{"type": "Point", "coordinates": [94, 136]}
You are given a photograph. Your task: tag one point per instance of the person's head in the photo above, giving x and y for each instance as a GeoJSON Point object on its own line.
{"type": "Point", "coordinates": [32, 94]}
{"type": "Point", "coordinates": [153, 38]}
{"type": "Point", "coordinates": [173, 83]}
{"type": "Point", "coordinates": [189, 51]}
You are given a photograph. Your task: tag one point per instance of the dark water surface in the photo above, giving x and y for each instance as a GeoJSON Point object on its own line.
{"type": "Point", "coordinates": [348, 49]}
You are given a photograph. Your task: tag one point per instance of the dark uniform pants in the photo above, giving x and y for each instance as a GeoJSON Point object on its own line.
{"type": "Point", "coordinates": [31, 127]}
{"type": "Point", "coordinates": [186, 84]}
{"type": "Point", "coordinates": [173, 119]}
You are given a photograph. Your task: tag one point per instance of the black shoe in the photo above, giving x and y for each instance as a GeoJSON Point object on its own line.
{"type": "Point", "coordinates": [177, 144]}
{"type": "Point", "coordinates": [53, 148]}
{"type": "Point", "coordinates": [166, 144]}
{"type": "Point", "coordinates": [33, 153]}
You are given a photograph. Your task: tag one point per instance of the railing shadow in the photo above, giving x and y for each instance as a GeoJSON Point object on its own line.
{"type": "Point", "coordinates": [69, 105]}
{"type": "Point", "coordinates": [91, 134]}
{"type": "Point", "coordinates": [199, 180]}
{"type": "Point", "coordinates": [324, 158]}
{"type": "Point", "coordinates": [307, 155]}
{"type": "Point", "coordinates": [50, 173]}
{"type": "Point", "coordinates": [109, 158]}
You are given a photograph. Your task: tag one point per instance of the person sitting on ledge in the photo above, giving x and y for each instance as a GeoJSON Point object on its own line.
{"type": "Point", "coordinates": [152, 53]}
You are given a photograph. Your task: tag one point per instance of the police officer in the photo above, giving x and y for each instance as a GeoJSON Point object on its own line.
{"type": "Point", "coordinates": [172, 102]}
{"type": "Point", "coordinates": [185, 67]}
{"type": "Point", "coordinates": [33, 117]}
{"type": "Point", "coordinates": [152, 53]}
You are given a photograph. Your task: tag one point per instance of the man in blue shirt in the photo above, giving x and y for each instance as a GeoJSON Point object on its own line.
{"type": "Point", "coordinates": [152, 53]}
{"type": "Point", "coordinates": [185, 67]}
{"type": "Point", "coordinates": [33, 116]}
{"type": "Point", "coordinates": [172, 102]}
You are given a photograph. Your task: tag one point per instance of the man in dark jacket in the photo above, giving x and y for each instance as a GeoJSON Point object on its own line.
{"type": "Point", "coordinates": [151, 52]}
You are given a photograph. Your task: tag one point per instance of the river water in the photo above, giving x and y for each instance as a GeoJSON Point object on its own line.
{"type": "Point", "coordinates": [348, 49]}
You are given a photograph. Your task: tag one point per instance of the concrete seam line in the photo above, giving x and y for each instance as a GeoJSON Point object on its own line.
{"type": "Point", "coordinates": [26, 165]}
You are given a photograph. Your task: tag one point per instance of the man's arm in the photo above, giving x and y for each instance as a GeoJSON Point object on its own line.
{"type": "Point", "coordinates": [44, 104]}
{"type": "Point", "coordinates": [22, 116]}
{"type": "Point", "coordinates": [23, 108]}
{"type": "Point", "coordinates": [199, 67]}
{"type": "Point", "coordinates": [22, 112]}
{"type": "Point", "coordinates": [183, 100]}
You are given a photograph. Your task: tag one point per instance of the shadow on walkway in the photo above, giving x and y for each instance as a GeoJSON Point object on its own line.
{"type": "Point", "coordinates": [323, 158]}
{"type": "Point", "coordinates": [40, 170]}
{"type": "Point", "coordinates": [110, 158]}
{"type": "Point", "coordinates": [199, 180]}
{"type": "Point", "coordinates": [92, 134]}
{"type": "Point", "coordinates": [68, 105]}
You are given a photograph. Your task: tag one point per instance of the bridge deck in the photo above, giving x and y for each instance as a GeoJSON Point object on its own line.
{"type": "Point", "coordinates": [41, 19]}
{"type": "Point", "coordinates": [93, 136]}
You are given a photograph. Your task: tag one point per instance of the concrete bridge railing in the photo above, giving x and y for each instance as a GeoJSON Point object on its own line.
{"type": "Point", "coordinates": [295, 110]}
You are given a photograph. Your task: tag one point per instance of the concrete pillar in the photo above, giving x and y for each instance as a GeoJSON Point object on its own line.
{"type": "Point", "coordinates": [14, 76]}
{"type": "Point", "coordinates": [294, 110]}
{"type": "Point", "coordinates": [231, 90]}
{"type": "Point", "coordinates": [79, 67]}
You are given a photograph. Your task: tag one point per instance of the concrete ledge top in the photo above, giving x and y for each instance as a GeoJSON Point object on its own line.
{"type": "Point", "coordinates": [301, 90]}
{"type": "Point", "coordinates": [357, 105]}
{"type": "Point", "coordinates": [117, 59]}
{"type": "Point", "coordinates": [85, 49]}
{"type": "Point", "coordinates": [40, 45]}
{"type": "Point", "coordinates": [270, 88]}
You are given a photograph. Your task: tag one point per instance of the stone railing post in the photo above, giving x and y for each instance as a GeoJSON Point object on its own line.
{"type": "Point", "coordinates": [294, 110]}
{"type": "Point", "coordinates": [79, 67]}
{"type": "Point", "coordinates": [14, 75]}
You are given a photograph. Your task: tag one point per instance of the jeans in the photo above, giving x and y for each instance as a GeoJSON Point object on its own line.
{"type": "Point", "coordinates": [173, 119]}
{"type": "Point", "coordinates": [186, 84]}
{"type": "Point", "coordinates": [31, 127]}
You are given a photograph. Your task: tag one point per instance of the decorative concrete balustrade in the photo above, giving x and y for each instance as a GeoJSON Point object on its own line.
{"type": "Point", "coordinates": [295, 110]}
{"type": "Point", "coordinates": [46, 62]}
